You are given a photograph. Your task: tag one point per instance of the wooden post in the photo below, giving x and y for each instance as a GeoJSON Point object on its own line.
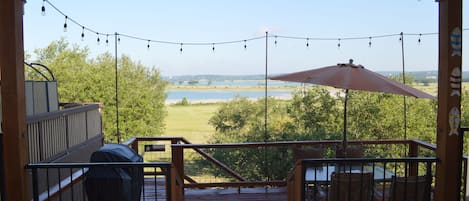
{"type": "Point", "coordinates": [449, 139]}
{"type": "Point", "coordinates": [413, 152]}
{"type": "Point", "coordinates": [15, 147]}
{"type": "Point", "coordinates": [177, 158]}
{"type": "Point", "coordinates": [134, 145]}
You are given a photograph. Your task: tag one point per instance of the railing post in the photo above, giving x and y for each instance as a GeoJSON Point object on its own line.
{"type": "Point", "coordinates": [413, 152]}
{"type": "Point", "coordinates": [35, 185]}
{"type": "Point", "coordinates": [177, 158]}
{"type": "Point", "coordinates": [169, 183]}
{"type": "Point", "coordinates": [135, 145]}
{"type": "Point", "coordinates": [298, 193]}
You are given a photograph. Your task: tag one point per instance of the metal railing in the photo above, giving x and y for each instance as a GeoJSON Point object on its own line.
{"type": "Point", "coordinates": [50, 135]}
{"type": "Point", "coordinates": [362, 179]}
{"type": "Point", "coordinates": [208, 165]}
{"type": "Point", "coordinates": [76, 181]}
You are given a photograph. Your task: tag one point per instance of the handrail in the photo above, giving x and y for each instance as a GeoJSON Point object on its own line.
{"type": "Point", "coordinates": [31, 65]}
{"type": "Point", "coordinates": [290, 143]}
{"type": "Point", "coordinates": [216, 162]}
{"type": "Point", "coordinates": [53, 134]}
{"type": "Point", "coordinates": [99, 164]}
{"type": "Point", "coordinates": [77, 176]}
{"type": "Point", "coordinates": [64, 185]}
{"type": "Point", "coordinates": [370, 160]}
{"type": "Point", "coordinates": [201, 152]}
{"type": "Point", "coordinates": [60, 113]}
{"type": "Point", "coordinates": [424, 144]}
{"type": "Point", "coordinates": [176, 143]}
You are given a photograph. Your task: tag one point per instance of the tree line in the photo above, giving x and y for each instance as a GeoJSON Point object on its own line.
{"type": "Point", "coordinates": [85, 79]}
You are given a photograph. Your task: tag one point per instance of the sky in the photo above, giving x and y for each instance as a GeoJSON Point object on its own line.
{"type": "Point", "coordinates": [208, 21]}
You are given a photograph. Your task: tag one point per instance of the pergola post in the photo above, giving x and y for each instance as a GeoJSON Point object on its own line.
{"type": "Point", "coordinates": [449, 137]}
{"type": "Point", "coordinates": [15, 146]}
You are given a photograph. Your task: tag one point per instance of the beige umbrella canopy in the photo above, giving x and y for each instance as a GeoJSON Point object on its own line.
{"type": "Point", "coordinates": [350, 76]}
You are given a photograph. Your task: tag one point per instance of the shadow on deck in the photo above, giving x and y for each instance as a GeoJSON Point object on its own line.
{"type": "Point", "coordinates": [212, 194]}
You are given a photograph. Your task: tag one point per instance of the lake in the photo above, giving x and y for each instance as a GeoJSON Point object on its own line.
{"type": "Point", "coordinates": [177, 95]}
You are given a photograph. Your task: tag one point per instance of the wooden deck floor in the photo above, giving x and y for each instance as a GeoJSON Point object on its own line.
{"type": "Point", "coordinates": [253, 194]}
{"type": "Point", "coordinates": [157, 192]}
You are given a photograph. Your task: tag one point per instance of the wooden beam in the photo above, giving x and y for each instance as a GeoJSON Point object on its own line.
{"type": "Point", "coordinates": [15, 147]}
{"type": "Point", "coordinates": [449, 137]}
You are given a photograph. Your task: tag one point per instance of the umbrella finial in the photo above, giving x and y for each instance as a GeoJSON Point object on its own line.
{"type": "Point", "coordinates": [350, 61]}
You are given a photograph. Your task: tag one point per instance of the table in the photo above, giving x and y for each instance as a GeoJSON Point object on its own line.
{"type": "Point", "coordinates": [323, 173]}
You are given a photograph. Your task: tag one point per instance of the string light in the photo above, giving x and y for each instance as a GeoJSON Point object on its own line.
{"type": "Point", "coordinates": [65, 24]}
{"type": "Point", "coordinates": [180, 49]}
{"type": "Point", "coordinates": [369, 38]}
{"type": "Point", "coordinates": [43, 8]}
{"type": "Point", "coordinates": [148, 44]}
{"type": "Point", "coordinates": [118, 39]}
{"type": "Point", "coordinates": [107, 39]}
{"type": "Point", "coordinates": [82, 33]}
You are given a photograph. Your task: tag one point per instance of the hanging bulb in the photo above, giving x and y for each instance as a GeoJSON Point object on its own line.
{"type": "Point", "coordinates": [420, 36]}
{"type": "Point", "coordinates": [43, 9]}
{"type": "Point", "coordinates": [107, 39]}
{"type": "Point", "coordinates": [307, 42]}
{"type": "Point", "coordinates": [180, 49]}
{"type": "Point", "coordinates": [65, 24]}
{"type": "Point", "coordinates": [338, 44]}
{"type": "Point", "coordinates": [245, 46]}
{"type": "Point", "coordinates": [275, 42]}
{"type": "Point", "coordinates": [148, 44]}
{"type": "Point", "coordinates": [119, 39]}
{"type": "Point", "coordinates": [82, 33]}
{"type": "Point", "coordinates": [98, 40]}
{"type": "Point", "coordinates": [369, 42]}
{"type": "Point", "coordinates": [213, 47]}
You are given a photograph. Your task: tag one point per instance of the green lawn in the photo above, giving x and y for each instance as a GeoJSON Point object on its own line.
{"type": "Point", "coordinates": [190, 122]}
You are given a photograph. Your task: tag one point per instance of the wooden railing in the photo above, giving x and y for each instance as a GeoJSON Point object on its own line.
{"type": "Point", "coordinates": [52, 134]}
{"type": "Point", "coordinates": [182, 153]}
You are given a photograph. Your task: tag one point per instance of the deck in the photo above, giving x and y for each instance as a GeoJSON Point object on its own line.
{"type": "Point", "coordinates": [212, 194]}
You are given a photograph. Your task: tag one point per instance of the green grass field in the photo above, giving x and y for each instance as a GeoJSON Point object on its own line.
{"type": "Point", "coordinates": [190, 122]}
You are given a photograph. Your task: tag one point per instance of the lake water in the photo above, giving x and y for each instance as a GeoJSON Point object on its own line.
{"type": "Point", "coordinates": [220, 95]}
{"type": "Point", "coordinates": [241, 83]}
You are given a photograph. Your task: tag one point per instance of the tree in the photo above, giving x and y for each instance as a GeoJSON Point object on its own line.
{"type": "Point", "coordinates": [89, 80]}
{"type": "Point", "coordinates": [315, 115]}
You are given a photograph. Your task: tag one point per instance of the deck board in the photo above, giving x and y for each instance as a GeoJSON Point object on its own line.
{"type": "Point", "coordinates": [212, 194]}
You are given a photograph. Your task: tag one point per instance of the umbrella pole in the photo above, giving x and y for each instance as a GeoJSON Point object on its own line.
{"type": "Point", "coordinates": [345, 119]}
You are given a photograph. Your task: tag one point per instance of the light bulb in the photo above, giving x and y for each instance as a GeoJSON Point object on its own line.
{"type": "Point", "coordinates": [65, 24]}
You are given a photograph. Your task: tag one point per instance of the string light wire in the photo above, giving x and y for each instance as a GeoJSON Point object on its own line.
{"type": "Point", "coordinates": [212, 44]}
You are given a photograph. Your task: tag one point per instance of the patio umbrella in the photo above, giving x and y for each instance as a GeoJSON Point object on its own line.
{"type": "Point", "coordinates": [350, 76]}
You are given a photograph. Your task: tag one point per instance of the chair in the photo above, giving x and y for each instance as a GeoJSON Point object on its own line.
{"type": "Point", "coordinates": [313, 191]}
{"type": "Point", "coordinates": [351, 187]}
{"type": "Point", "coordinates": [304, 153]}
{"type": "Point", "coordinates": [413, 188]}
{"type": "Point", "coordinates": [350, 151]}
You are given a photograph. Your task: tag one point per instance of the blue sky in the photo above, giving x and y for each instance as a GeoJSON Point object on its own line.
{"type": "Point", "coordinates": [218, 21]}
